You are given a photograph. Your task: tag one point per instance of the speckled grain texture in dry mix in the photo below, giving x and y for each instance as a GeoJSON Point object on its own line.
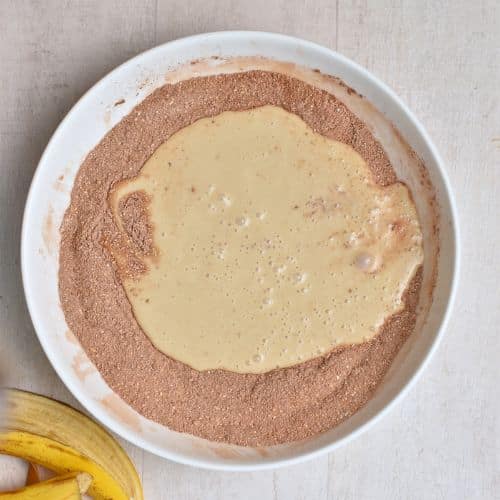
{"type": "Point", "coordinates": [247, 409]}
{"type": "Point", "coordinates": [133, 211]}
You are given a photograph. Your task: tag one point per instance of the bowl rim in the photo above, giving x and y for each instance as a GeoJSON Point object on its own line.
{"type": "Point", "coordinates": [269, 463]}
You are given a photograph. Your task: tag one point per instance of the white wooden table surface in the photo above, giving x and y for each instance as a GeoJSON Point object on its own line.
{"type": "Point", "coordinates": [443, 59]}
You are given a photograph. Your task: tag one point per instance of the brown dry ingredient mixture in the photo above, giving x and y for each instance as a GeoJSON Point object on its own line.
{"type": "Point", "coordinates": [134, 214]}
{"type": "Point", "coordinates": [255, 409]}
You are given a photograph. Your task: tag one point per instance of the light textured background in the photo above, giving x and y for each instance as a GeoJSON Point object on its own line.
{"type": "Point", "coordinates": [443, 59]}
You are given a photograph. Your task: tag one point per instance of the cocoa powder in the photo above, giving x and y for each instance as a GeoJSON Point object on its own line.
{"type": "Point", "coordinates": [134, 214]}
{"type": "Point", "coordinates": [247, 409]}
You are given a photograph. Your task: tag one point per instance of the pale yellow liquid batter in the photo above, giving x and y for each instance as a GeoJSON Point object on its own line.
{"type": "Point", "coordinates": [274, 244]}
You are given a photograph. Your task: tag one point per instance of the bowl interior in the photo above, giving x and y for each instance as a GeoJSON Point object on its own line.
{"type": "Point", "coordinates": [97, 112]}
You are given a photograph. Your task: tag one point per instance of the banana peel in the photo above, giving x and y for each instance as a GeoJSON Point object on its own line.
{"type": "Point", "coordinates": [66, 487]}
{"type": "Point", "coordinates": [61, 459]}
{"type": "Point", "coordinates": [64, 440]}
{"type": "Point", "coordinates": [34, 474]}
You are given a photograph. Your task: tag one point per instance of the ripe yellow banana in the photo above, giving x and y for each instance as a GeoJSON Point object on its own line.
{"type": "Point", "coordinates": [61, 459]}
{"type": "Point", "coordinates": [39, 427]}
{"type": "Point", "coordinates": [65, 487]}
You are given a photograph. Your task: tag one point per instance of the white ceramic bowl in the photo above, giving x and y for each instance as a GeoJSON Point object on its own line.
{"type": "Point", "coordinates": [95, 114]}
